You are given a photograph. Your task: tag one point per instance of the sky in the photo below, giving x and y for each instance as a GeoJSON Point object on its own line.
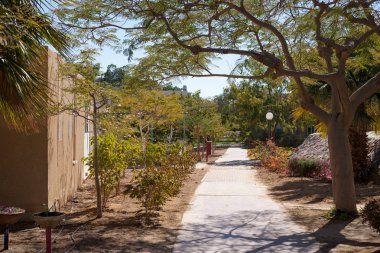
{"type": "Point", "coordinates": [209, 86]}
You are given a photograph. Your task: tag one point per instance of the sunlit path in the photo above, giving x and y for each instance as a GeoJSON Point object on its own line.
{"type": "Point", "coordinates": [231, 212]}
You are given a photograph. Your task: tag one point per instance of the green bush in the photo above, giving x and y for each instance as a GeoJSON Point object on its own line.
{"type": "Point", "coordinates": [177, 156]}
{"type": "Point", "coordinates": [151, 186]}
{"type": "Point", "coordinates": [302, 167]}
{"type": "Point", "coordinates": [133, 153]}
{"type": "Point", "coordinates": [164, 176]}
{"type": "Point", "coordinates": [111, 162]}
{"type": "Point", "coordinates": [371, 214]}
{"type": "Point", "coordinates": [289, 139]}
{"type": "Point", "coordinates": [155, 154]}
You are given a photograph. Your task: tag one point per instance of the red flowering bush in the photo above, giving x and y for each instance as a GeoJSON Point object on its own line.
{"type": "Point", "coordinates": [276, 159]}
{"type": "Point", "coordinates": [323, 171]}
{"type": "Point", "coordinates": [272, 157]}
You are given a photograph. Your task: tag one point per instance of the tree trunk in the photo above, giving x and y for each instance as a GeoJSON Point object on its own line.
{"type": "Point", "coordinates": [96, 168]}
{"type": "Point", "coordinates": [213, 144]}
{"type": "Point", "coordinates": [341, 167]}
{"type": "Point", "coordinates": [170, 138]}
{"type": "Point", "coordinates": [204, 147]}
{"type": "Point", "coordinates": [143, 143]}
{"type": "Point", "coordinates": [198, 145]}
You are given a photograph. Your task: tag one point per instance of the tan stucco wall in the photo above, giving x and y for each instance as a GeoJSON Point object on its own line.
{"type": "Point", "coordinates": [38, 168]}
{"type": "Point", "coordinates": [66, 140]}
{"type": "Point", "coordinates": [23, 168]}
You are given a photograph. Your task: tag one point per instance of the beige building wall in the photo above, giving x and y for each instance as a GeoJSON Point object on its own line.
{"type": "Point", "coordinates": [45, 167]}
{"type": "Point", "coordinates": [65, 142]}
{"type": "Point", "coordinates": [23, 168]}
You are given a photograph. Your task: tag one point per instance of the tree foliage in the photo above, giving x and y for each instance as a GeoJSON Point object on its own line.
{"type": "Point", "coordinates": [305, 41]}
{"type": "Point", "coordinates": [114, 75]}
{"type": "Point", "coordinates": [112, 164]}
{"type": "Point", "coordinates": [244, 104]}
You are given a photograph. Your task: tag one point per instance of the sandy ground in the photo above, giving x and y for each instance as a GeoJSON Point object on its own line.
{"type": "Point", "coordinates": [308, 200]}
{"type": "Point", "coordinates": [120, 229]}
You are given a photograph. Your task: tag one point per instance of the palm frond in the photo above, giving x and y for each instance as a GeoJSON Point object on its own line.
{"type": "Point", "coordinates": [24, 30]}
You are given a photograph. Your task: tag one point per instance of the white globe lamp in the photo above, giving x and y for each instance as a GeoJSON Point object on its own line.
{"type": "Point", "coordinates": [269, 116]}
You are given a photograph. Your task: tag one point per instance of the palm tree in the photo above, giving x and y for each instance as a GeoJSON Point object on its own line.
{"type": "Point", "coordinates": [24, 30]}
{"type": "Point", "coordinates": [365, 117]}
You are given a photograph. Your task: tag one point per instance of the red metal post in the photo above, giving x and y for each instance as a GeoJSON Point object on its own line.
{"type": "Point", "coordinates": [48, 240]}
{"type": "Point", "coordinates": [208, 149]}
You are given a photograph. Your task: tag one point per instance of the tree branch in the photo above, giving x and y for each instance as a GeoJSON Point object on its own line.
{"type": "Point", "coordinates": [74, 111]}
{"type": "Point", "coordinates": [365, 91]}
{"type": "Point", "coordinates": [307, 101]}
{"type": "Point", "coordinates": [106, 25]}
{"type": "Point", "coordinates": [259, 77]}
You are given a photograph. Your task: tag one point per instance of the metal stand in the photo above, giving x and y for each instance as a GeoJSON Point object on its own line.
{"type": "Point", "coordinates": [6, 237]}
{"type": "Point", "coordinates": [48, 240]}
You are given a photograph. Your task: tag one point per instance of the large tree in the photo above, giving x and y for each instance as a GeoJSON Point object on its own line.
{"type": "Point", "coordinates": [90, 100]}
{"type": "Point", "coordinates": [305, 41]}
{"type": "Point", "coordinates": [24, 31]}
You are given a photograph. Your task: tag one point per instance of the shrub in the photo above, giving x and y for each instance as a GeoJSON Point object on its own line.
{"type": "Point", "coordinates": [180, 158]}
{"type": "Point", "coordinates": [155, 154]}
{"type": "Point", "coordinates": [371, 214]}
{"type": "Point", "coordinates": [288, 139]}
{"type": "Point", "coordinates": [308, 168]}
{"type": "Point", "coordinates": [111, 162]}
{"type": "Point", "coordinates": [272, 157]}
{"type": "Point", "coordinates": [154, 185]}
{"type": "Point", "coordinates": [323, 171]}
{"type": "Point", "coordinates": [133, 153]}
{"type": "Point", "coordinates": [302, 167]}
{"type": "Point", "coordinates": [151, 186]}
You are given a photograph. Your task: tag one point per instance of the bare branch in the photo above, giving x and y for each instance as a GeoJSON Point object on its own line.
{"type": "Point", "coordinates": [107, 25]}
{"type": "Point", "coordinates": [74, 111]}
{"type": "Point", "coordinates": [259, 77]}
{"type": "Point", "coordinates": [318, 33]}
{"type": "Point", "coordinates": [259, 41]}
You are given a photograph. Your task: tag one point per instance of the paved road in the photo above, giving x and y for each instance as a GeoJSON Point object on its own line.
{"type": "Point", "coordinates": [232, 212]}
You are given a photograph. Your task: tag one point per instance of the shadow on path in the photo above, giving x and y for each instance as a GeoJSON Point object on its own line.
{"type": "Point", "coordinates": [246, 231]}
{"type": "Point", "coordinates": [238, 163]}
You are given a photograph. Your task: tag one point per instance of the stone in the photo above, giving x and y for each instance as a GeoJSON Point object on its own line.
{"type": "Point", "coordinates": [315, 147]}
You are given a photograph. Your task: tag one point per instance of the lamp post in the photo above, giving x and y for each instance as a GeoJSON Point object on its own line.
{"type": "Point", "coordinates": [269, 117]}
{"type": "Point", "coordinates": [184, 129]}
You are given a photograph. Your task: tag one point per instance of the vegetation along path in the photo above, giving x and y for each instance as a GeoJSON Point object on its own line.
{"type": "Point", "coordinates": [232, 212]}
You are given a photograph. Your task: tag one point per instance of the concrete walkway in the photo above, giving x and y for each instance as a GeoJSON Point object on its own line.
{"type": "Point", "coordinates": [232, 212]}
